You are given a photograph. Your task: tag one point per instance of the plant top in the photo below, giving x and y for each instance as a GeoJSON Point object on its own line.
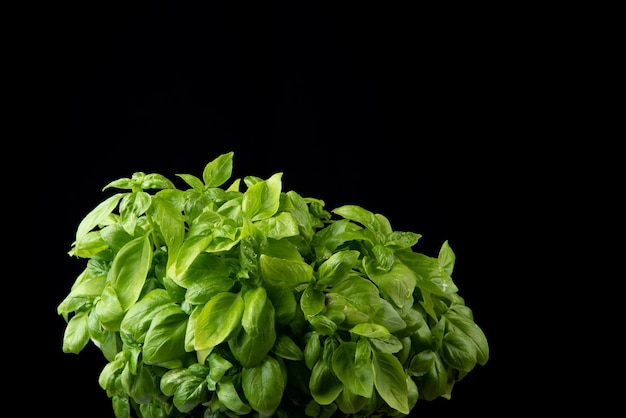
{"type": "Point", "coordinates": [248, 300]}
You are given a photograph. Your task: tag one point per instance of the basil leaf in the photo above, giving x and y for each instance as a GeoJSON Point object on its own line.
{"type": "Point", "coordinates": [136, 322]}
{"type": "Point", "coordinates": [284, 273]}
{"type": "Point", "coordinates": [191, 248]}
{"type": "Point", "coordinates": [324, 384]}
{"type": "Point", "coordinates": [250, 348]}
{"type": "Point", "coordinates": [256, 310]}
{"type": "Point", "coordinates": [336, 267]}
{"type": "Point", "coordinates": [282, 225]}
{"type": "Point", "coordinates": [312, 300]}
{"type": "Point", "coordinates": [219, 170]}
{"type": "Point", "coordinates": [397, 284]}
{"type": "Point", "coordinates": [264, 385]}
{"type": "Point", "coordinates": [286, 348]}
{"type": "Point", "coordinates": [361, 292]}
{"type": "Point", "coordinates": [76, 334]}
{"type": "Point", "coordinates": [129, 270]}
{"type": "Point", "coordinates": [312, 350]}
{"type": "Point", "coordinates": [218, 319]}
{"type": "Point", "coordinates": [190, 393]}
{"type": "Point", "coordinates": [262, 199]}
{"type": "Point", "coordinates": [350, 403]}
{"type": "Point", "coordinates": [165, 340]}
{"type": "Point", "coordinates": [227, 394]}
{"type": "Point", "coordinates": [171, 224]}
{"type": "Point", "coordinates": [390, 381]}
{"type": "Point", "coordinates": [466, 327]}
{"type": "Point", "coordinates": [370, 330]}
{"type": "Point", "coordinates": [458, 351]}
{"type": "Point", "coordinates": [97, 215]}
{"type": "Point", "coordinates": [430, 275]}
{"type": "Point", "coordinates": [359, 379]}
{"type": "Point", "coordinates": [218, 366]}
{"type": "Point", "coordinates": [432, 378]}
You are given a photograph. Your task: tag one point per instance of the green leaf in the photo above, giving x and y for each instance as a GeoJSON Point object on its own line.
{"type": "Point", "coordinates": [171, 225]}
{"type": "Point", "coordinates": [156, 181]}
{"type": "Point", "coordinates": [323, 325]}
{"type": "Point", "coordinates": [390, 381]}
{"type": "Point", "coordinates": [200, 291]}
{"type": "Point", "coordinates": [97, 215]}
{"type": "Point", "coordinates": [165, 339]}
{"type": "Point", "coordinates": [285, 305]}
{"type": "Point", "coordinates": [370, 330]}
{"type": "Point", "coordinates": [76, 334]}
{"type": "Point", "coordinates": [336, 267]}
{"type": "Point", "coordinates": [190, 393]}
{"type": "Point", "coordinates": [359, 379]}
{"type": "Point", "coordinates": [324, 385]}
{"type": "Point", "coordinates": [361, 292]}
{"type": "Point", "coordinates": [144, 387]}
{"type": "Point", "coordinates": [358, 214]}
{"type": "Point", "coordinates": [264, 385]}
{"type": "Point", "coordinates": [193, 181]}
{"type": "Point", "coordinates": [137, 320]}
{"type": "Point", "coordinates": [218, 319]}
{"type": "Point", "coordinates": [312, 300]}
{"type": "Point", "coordinates": [389, 317]}
{"type": "Point", "coordinates": [250, 348]}
{"type": "Point", "coordinates": [343, 311]}
{"type": "Point", "coordinates": [430, 275]}
{"type": "Point", "coordinates": [286, 348]}
{"type": "Point", "coordinates": [262, 199]}
{"type": "Point", "coordinates": [312, 350]}
{"type": "Point", "coordinates": [350, 403]}
{"type": "Point", "coordinates": [388, 344]}
{"type": "Point", "coordinates": [402, 240]}
{"type": "Point", "coordinates": [467, 327]}
{"type": "Point", "coordinates": [89, 245]}
{"type": "Point", "coordinates": [397, 284]}
{"type": "Point", "coordinates": [218, 171]}
{"type": "Point", "coordinates": [189, 250]}
{"type": "Point", "coordinates": [129, 270]}
{"type": "Point", "coordinates": [284, 273]}
{"type": "Point", "coordinates": [205, 267]}
{"type": "Point", "coordinates": [458, 351]}
{"type": "Point", "coordinates": [132, 206]}
{"type": "Point", "coordinates": [280, 226]}
{"type": "Point", "coordinates": [109, 310]}
{"type": "Point", "coordinates": [173, 378]}
{"type": "Point", "coordinates": [432, 378]}
{"type": "Point", "coordinates": [256, 311]}
{"type": "Point", "coordinates": [227, 394]}
{"type": "Point", "coordinates": [218, 366]}
{"type": "Point", "coordinates": [446, 258]}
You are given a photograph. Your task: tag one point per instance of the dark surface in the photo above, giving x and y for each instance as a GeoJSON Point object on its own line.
{"type": "Point", "coordinates": [412, 113]}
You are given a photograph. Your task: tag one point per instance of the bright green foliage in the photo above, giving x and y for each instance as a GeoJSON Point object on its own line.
{"type": "Point", "coordinates": [247, 300]}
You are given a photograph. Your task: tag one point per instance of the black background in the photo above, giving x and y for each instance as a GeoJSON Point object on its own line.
{"type": "Point", "coordinates": [418, 113]}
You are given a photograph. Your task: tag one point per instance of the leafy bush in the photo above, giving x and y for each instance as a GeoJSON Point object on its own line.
{"type": "Point", "coordinates": [223, 302]}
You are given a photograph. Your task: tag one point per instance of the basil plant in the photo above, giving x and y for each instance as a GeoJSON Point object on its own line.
{"type": "Point", "coordinates": [248, 300]}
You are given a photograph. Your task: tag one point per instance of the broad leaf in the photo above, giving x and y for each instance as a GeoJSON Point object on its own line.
{"type": "Point", "coordinates": [285, 273]}
{"type": "Point", "coordinates": [390, 381]}
{"type": "Point", "coordinates": [324, 384]}
{"type": "Point", "coordinates": [218, 171]}
{"type": "Point", "coordinates": [359, 379]}
{"type": "Point", "coordinates": [218, 319]}
{"type": "Point", "coordinates": [262, 199]}
{"type": "Point", "coordinates": [165, 340]}
{"type": "Point", "coordinates": [130, 269]}
{"type": "Point", "coordinates": [264, 385]}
